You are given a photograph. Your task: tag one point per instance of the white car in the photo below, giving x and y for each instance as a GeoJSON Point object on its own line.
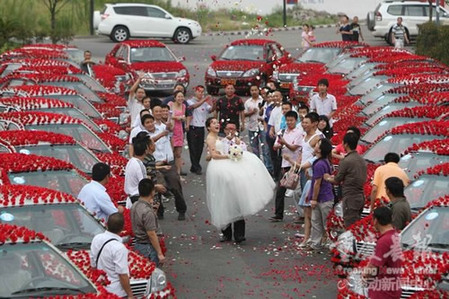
{"type": "Point", "coordinates": [124, 20]}
{"type": "Point", "coordinates": [413, 13]}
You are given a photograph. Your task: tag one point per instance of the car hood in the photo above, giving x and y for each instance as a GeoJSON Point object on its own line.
{"type": "Point", "coordinates": [158, 66]}
{"type": "Point", "coordinates": [235, 65]}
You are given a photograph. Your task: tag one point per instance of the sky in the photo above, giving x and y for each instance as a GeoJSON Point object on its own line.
{"type": "Point", "coordinates": [350, 7]}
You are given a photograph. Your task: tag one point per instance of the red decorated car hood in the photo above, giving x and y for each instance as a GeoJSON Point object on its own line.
{"type": "Point", "coordinates": [236, 65]}
{"type": "Point", "coordinates": [152, 67]}
{"type": "Point", "coordinates": [297, 67]}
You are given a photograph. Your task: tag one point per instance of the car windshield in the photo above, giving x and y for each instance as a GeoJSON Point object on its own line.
{"type": "Point", "coordinates": [38, 270]}
{"type": "Point", "coordinates": [151, 54]}
{"type": "Point", "coordinates": [387, 124]}
{"type": "Point", "coordinates": [417, 161]}
{"type": "Point", "coordinates": [75, 54]}
{"type": "Point", "coordinates": [67, 181]}
{"type": "Point", "coordinates": [363, 70]}
{"type": "Point", "coordinates": [365, 86]}
{"type": "Point", "coordinates": [321, 55]}
{"type": "Point", "coordinates": [78, 132]}
{"type": "Point", "coordinates": [430, 231]}
{"type": "Point", "coordinates": [10, 68]}
{"type": "Point", "coordinates": [381, 101]}
{"type": "Point", "coordinates": [244, 52]}
{"type": "Point", "coordinates": [337, 60]}
{"type": "Point", "coordinates": [80, 88]}
{"type": "Point", "coordinates": [75, 113]}
{"type": "Point", "coordinates": [79, 102]}
{"type": "Point", "coordinates": [395, 144]}
{"type": "Point", "coordinates": [373, 94]}
{"type": "Point", "coordinates": [425, 189]}
{"type": "Point", "coordinates": [345, 66]}
{"type": "Point", "coordinates": [81, 158]}
{"type": "Point", "coordinates": [90, 82]}
{"type": "Point", "coordinates": [64, 224]}
{"type": "Point", "coordinates": [388, 109]}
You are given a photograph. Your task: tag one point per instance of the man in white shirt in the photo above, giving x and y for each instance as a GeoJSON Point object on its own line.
{"type": "Point", "coordinates": [322, 102]}
{"type": "Point", "coordinates": [231, 138]}
{"type": "Point", "coordinates": [164, 156]}
{"type": "Point", "coordinates": [135, 98]}
{"type": "Point", "coordinates": [253, 119]}
{"type": "Point", "coordinates": [93, 195]}
{"type": "Point", "coordinates": [135, 171]}
{"type": "Point", "coordinates": [289, 142]}
{"type": "Point", "coordinates": [198, 110]}
{"type": "Point", "coordinates": [108, 253]}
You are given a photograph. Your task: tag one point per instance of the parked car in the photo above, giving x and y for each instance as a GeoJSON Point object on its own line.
{"type": "Point", "coordinates": [122, 21]}
{"type": "Point", "coordinates": [245, 62]}
{"type": "Point", "coordinates": [413, 14]}
{"type": "Point", "coordinates": [160, 68]}
{"type": "Point", "coordinates": [71, 228]}
{"type": "Point", "coordinates": [30, 266]}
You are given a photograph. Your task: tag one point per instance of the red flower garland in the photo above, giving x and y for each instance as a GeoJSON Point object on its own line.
{"type": "Point", "coordinates": [108, 126]}
{"type": "Point", "coordinates": [27, 103]}
{"type": "Point", "coordinates": [18, 195]}
{"type": "Point", "coordinates": [116, 161]}
{"type": "Point", "coordinates": [27, 118]}
{"type": "Point", "coordinates": [18, 234]}
{"type": "Point", "coordinates": [417, 79]}
{"type": "Point", "coordinates": [431, 112]}
{"type": "Point", "coordinates": [18, 138]}
{"type": "Point", "coordinates": [437, 146]}
{"type": "Point", "coordinates": [112, 141]}
{"type": "Point", "coordinates": [50, 69]}
{"type": "Point", "coordinates": [440, 169]}
{"type": "Point", "coordinates": [409, 70]}
{"type": "Point", "coordinates": [421, 88]}
{"type": "Point", "coordinates": [342, 45]}
{"type": "Point", "coordinates": [40, 90]}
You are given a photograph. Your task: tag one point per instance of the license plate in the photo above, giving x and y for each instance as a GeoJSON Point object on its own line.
{"type": "Point", "coordinates": [285, 85]}
{"type": "Point", "coordinates": [225, 82]}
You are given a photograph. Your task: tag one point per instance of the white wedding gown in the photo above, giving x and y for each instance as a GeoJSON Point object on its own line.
{"type": "Point", "coordinates": [236, 189]}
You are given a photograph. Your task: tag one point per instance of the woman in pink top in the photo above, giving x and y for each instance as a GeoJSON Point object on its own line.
{"type": "Point", "coordinates": [178, 112]}
{"type": "Point", "coordinates": [339, 152]}
{"type": "Point", "coordinates": [306, 42]}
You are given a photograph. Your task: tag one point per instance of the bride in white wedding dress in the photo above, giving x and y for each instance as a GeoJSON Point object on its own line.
{"type": "Point", "coordinates": [235, 188]}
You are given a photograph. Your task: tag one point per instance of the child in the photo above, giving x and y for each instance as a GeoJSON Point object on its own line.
{"type": "Point", "coordinates": [356, 30]}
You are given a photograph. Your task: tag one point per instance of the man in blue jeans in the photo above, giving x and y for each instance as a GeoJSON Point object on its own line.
{"type": "Point", "coordinates": [145, 225]}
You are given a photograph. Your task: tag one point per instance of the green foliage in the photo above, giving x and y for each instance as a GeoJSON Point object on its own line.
{"type": "Point", "coordinates": [433, 41]}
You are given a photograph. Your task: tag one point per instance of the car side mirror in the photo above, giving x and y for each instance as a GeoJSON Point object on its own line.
{"type": "Point", "coordinates": [167, 16]}
{"type": "Point", "coordinates": [213, 57]}
{"type": "Point", "coordinates": [121, 61]}
{"type": "Point", "coordinates": [180, 59]}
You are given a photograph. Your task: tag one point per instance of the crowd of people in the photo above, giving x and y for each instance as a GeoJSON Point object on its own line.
{"type": "Point", "coordinates": [285, 141]}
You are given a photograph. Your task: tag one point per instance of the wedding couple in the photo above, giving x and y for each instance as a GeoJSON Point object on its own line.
{"type": "Point", "coordinates": [236, 187]}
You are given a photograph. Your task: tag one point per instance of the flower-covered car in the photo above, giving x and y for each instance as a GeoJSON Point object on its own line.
{"type": "Point", "coordinates": [48, 105]}
{"type": "Point", "coordinates": [52, 122]}
{"type": "Point", "coordinates": [402, 117]}
{"type": "Point", "coordinates": [160, 69]}
{"type": "Point", "coordinates": [71, 228]}
{"type": "Point", "coordinates": [61, 147]}
{"type": "Point", "coordinates": [30, 266]}
{"type": "Point", "coordinates": [311, 60]}
{"type": "Point", "coordinates": [75, 54]}
{"type": "Point", "coordinates": [425, 265]}
{"type": "Point", "coordinates": [423, 155]}
{"type": "Point", "coordinates": [245, 62]}
{"type": "Point", "coordinates": [398, 139]}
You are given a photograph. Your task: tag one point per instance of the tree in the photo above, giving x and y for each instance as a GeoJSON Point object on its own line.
{"type": "Point", "coordinates": [430, 10]}
{"type": "Point", "coordinates": [54, 6]}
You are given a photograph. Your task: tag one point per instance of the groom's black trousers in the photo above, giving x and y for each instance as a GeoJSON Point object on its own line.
{"type": "Point", "coordinates": [239, 230]}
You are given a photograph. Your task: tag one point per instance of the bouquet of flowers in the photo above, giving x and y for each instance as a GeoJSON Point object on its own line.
{"type": "Point", "coordinates": [235, 152]}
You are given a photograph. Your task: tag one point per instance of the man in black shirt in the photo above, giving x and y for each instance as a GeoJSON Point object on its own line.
{"type": "Point", "coordinates": [230, 108]}
{"type": "Point", "coordinates": [345, 29]}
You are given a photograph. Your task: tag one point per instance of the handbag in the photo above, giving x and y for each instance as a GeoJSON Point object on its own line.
{"type": "Point", "coordinates": [290, 179]}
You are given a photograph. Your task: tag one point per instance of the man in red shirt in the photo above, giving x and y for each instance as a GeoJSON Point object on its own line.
{"type": "Point", "coordinates": [384, 269]}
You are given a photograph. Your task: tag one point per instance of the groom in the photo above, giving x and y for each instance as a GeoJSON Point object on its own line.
{"type": "Point", "coordinates": [231, 133]}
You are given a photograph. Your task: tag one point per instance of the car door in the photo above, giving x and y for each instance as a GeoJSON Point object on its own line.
{"type": "Point", "coordinates": [135, 18]}
{"type": "Point", "coordinates": [414, 15]}
{"type": "Point", "coordinates": [161, 23]}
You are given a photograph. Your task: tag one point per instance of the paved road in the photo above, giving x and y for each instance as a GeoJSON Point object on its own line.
{"type": "Point", "coordinates": [269, 264]}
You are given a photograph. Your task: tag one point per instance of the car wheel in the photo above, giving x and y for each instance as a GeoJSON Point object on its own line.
{"type": "Point", "coordinates": [212, 90]}
{"type": "Point", "coordinates": [388, 39]}
{"type": "Point", "coordinates": [120, 34]}
{"type": "Point", "coordinates": [182, 35]}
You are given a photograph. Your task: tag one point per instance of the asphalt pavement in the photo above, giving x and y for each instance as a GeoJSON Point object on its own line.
{"type": "Point", "coordinates": [269, 263]}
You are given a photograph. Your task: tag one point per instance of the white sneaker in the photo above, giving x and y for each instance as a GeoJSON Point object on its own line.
{"type": "Point", "coordinates": [289, 193]}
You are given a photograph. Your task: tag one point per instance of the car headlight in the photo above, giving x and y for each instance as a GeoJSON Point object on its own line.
{"type": "Point", "coordinates": [157, 281]}
{"type": "Point", "coordinates": [182, 73]}
{"type": "Point", "coordinates": [123, 118]}
{"type": "Point", "coordinates": [211, 72]}
{"type": "Point", "coordinates": [251, 73]}
{"type": "Point", "coordinates": [338, 209]}
{"type": "Point", "coordinates": [346, 243]}
{"type": "Point", "coordinates": [276, 75]}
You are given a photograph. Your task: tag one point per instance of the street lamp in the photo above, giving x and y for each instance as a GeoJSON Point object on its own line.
{"type": "Point", "coordinates": [285, 12]}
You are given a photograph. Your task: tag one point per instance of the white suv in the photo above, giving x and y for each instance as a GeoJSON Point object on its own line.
{"type": "Point", "coordinates": [413, 13]}
{"type": "Point", "coordinates": [125, 20]}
